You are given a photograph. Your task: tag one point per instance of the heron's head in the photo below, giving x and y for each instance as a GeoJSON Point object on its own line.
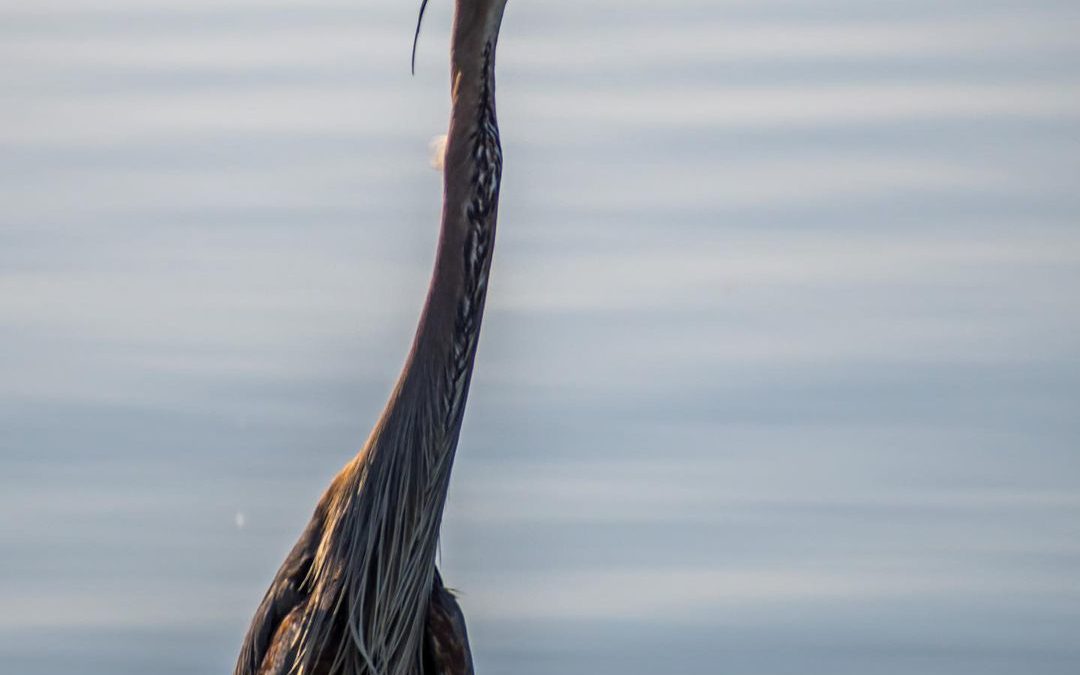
{"type": "Point", "coordinates": [471, 16]}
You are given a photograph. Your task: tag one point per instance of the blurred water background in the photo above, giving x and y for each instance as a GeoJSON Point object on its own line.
{"type": "Point", "coordinates": [781, 368]}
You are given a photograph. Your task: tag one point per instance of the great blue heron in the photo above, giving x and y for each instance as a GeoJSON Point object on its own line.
{"type": "Point", "coordinates": [359, 593]}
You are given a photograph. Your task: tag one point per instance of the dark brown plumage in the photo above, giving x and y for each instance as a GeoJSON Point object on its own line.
{"type": "Point", "coordinates": [359, 593]}
{"type": "Point", "coordinates": [270, 646]}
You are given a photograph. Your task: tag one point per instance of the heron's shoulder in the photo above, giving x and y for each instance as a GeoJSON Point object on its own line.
{"type": "Point", "coordinates": [269, 635]}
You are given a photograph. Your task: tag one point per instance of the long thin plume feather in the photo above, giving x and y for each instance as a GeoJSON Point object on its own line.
{"type": "Point", "coordinates": [416, 35]}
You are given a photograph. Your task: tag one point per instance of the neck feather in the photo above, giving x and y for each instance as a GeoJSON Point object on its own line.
{"type": "Point", "coordinates": [384, 511]}
{"type": "Point", "coordinates": [437, 373]}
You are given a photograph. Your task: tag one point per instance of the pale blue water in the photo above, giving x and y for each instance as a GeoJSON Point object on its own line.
{"type": "Point", "coordinates": [780, 374]}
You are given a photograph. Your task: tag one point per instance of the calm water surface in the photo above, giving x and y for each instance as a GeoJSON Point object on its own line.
{"type": "Point", "coordinates": [780, 373]}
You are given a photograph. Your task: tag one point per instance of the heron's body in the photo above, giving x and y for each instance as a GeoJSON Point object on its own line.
{"type": "Point", "coordinates": [359, 593]}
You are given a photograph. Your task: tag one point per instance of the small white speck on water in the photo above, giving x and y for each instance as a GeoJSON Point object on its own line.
{"type": "Point", "coordinates": [239, 519]}
{"type": "Point", "coordinates": [437, 151]}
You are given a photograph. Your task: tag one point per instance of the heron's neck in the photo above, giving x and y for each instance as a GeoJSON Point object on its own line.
{"type": "Point", "coordinates": [434, 384]}
{"type": "Point", "coordinates": [385, 508]}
